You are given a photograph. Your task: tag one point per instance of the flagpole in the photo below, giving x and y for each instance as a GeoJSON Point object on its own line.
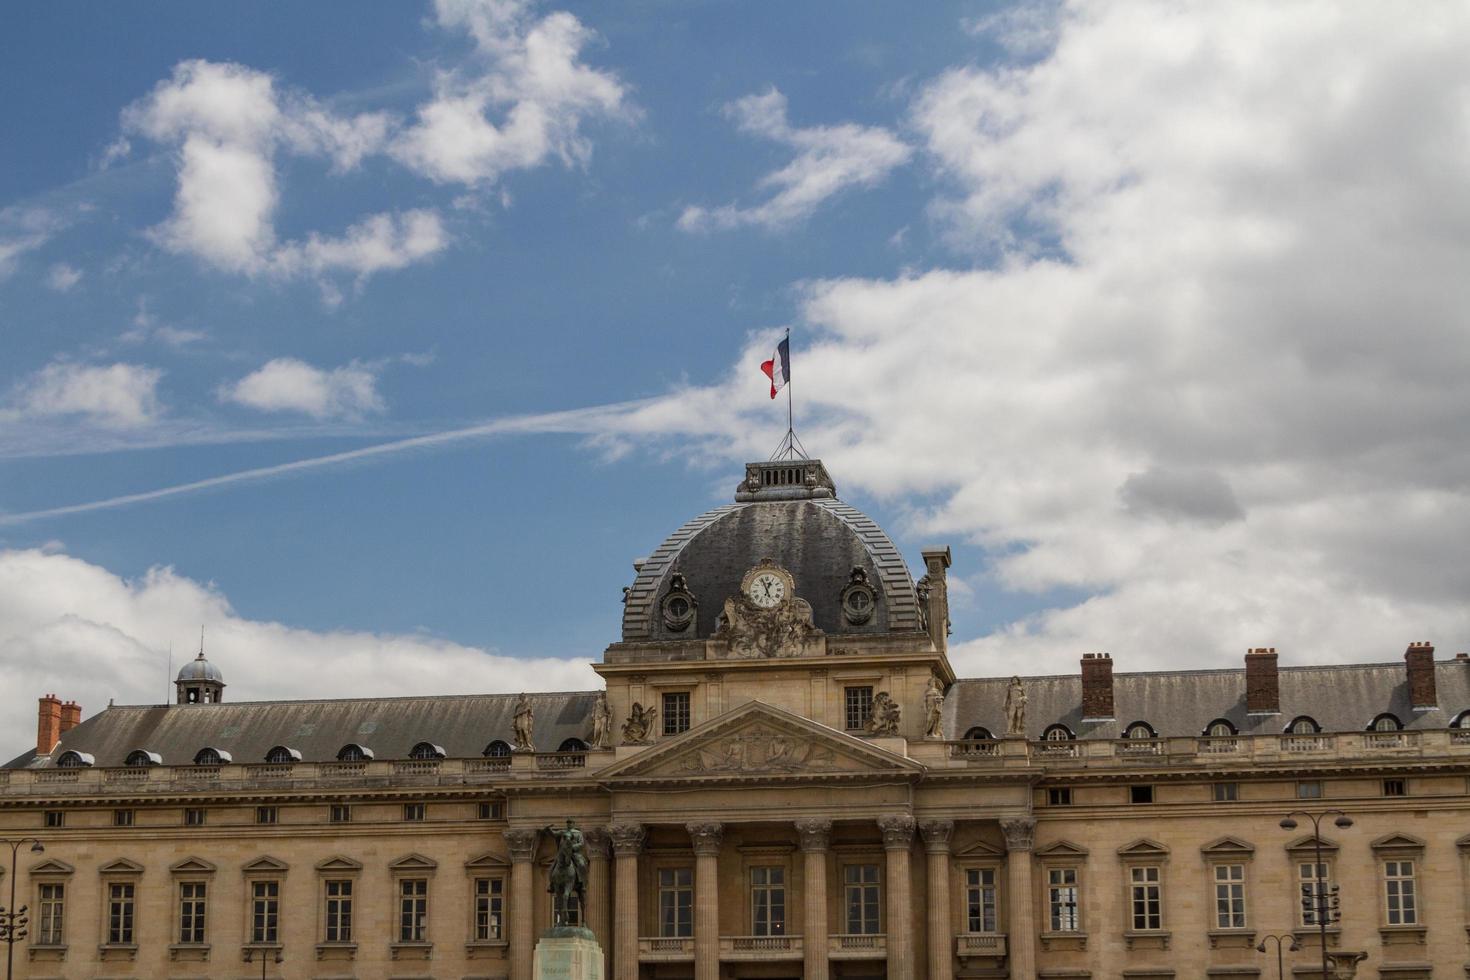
{"type": "Point", "coordinates": [790, 425]}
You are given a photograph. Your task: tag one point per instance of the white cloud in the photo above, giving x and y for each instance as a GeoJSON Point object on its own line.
{"type": "Point", "coordinates": [24, 230]}
{"type": "Point", "coordinates": [115, 395]}
{"type": "Point", "coordinates": [829, 160]}
{"type": "Point", "coordinates": [61, 277]}
{"type": "Point", "coordinates": [87, 634]}
{"type": "Point", "coordinates": [288, 385]}
{"type": "Point", "coordinates": [534, 84]}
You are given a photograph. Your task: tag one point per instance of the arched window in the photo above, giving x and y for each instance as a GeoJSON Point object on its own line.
{"type": "Point", "coordinates": [352, 752]}
{"type": "Point", "coordinates": [1303, 725]}
{"type": "Point", "coordinates": [72, 759]}
{"type": "Point", "coordinates": [426, 751]}
{"type": "Point", "coordinates": [1140, 729]}
{"type": "Point", "coordinates": [208, 756]}
{"type": "Point", "coordinates": [572, 745]}
{"type": "Point", "coordinates": [1386, 722]}
{"type": "Point", "coordinates": [1461, 720]}
{"type": "Point", "coordinates": [1220, 728]}
{"type": "Point", "coordinates": [142, 757]}
{"type": "Point", "coordinates": [282, 754]}
{"type": "Point", "coordinates": [978, 734]}
{"type": "Point", "coordinates": [1058, 733]}
{"type": "Point", "coordinates": [497, 750]}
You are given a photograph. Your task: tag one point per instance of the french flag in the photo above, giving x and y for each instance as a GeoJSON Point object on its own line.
{"type": "Point", "coordinates": [778, 368]}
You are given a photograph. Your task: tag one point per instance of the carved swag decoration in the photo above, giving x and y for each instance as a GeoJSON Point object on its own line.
{"type": "Point", "coordinates": [751, 632]}
{"type": "Point", "coordinates": [760, 750]}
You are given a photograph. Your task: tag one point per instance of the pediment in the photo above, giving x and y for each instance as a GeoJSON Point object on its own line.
{"type": "Point", "coordinates": [1397, 842]}
{"type": "Point", "coordinates": [121, 866]}
{"type": "Point", "coordinates": [1228, 846]}
{"type": "Point", "coordinates": [1143, 848]}
{"type": "Point", "coordinates": [489, 861]}
{"type": "Point", "coordinates": [980, 849]}
{"type": "Point", "coordinates": [265, 864]}
{"type": "Point", "coordinates": [758, 740]}
{"type": "Point", "coordinates": [413, 862]}
{"type": "Point", "coordinates": [339, 863]}
{"type": "Point", "coordinates": [1062, 848]}
{"type": "Point", "coordinates": [193, 865]}
{"type": "Point", "coordinates": [1309, 843]}
{"type": "Point", "coordinates": [52, 866]}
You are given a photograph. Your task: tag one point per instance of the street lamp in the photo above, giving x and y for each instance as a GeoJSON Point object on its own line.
{"type": "Point", "coordinates": [1322, 906]}
{"type": "Point", "coordinates": [1294, 947]}
{"type": "Point", "coordinates": [13, 920]}
{"type": "Point", "coordinates": [264, 959]}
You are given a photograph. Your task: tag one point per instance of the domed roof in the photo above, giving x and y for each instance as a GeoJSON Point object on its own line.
{"type": "Point", "coordinates": [200, 669]}
{"type": "Point", "coordinates": [787, 512]}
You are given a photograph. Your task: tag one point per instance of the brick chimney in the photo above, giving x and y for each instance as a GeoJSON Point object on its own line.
{"type": "Point", "coordinates": [71, 716]}
{"type": "Point", "coordinates": [936, 561]}
{"type": "Point", "coordinates": [1097, 686]}
{"type": "Point", "coordinates": [48, 724]}
{"type": "Point", "coordinates": [1419, 659]}
{"type": "Point", "coordinates": [1262, 688]}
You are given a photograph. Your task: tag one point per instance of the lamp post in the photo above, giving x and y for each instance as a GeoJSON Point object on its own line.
{"type": "Point", "coordinates": [264, 959]}
{"type": "Point", "coordinates": [1280, 967]}
{"type": "Point", "coordinates": [1322, 906]}
{"type": "Point", "coordinates": [13, 920]}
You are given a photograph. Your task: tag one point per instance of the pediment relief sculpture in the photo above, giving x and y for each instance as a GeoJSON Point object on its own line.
{"type": "Point", "coordinates": [760, 750]}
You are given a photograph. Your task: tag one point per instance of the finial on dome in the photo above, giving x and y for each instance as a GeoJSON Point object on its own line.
{"type": "Point", "coordinates": [786, 479]}
{"type": "Point", "coordinates": [199, 681]}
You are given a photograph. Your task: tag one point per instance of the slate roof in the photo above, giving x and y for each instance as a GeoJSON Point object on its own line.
{"type": "Point", "coordinates": [1342, 698]}
{"type": "Point", "coordinates": [462, 724]}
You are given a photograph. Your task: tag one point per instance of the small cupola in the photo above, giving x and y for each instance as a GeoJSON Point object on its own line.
{"type": "Point", "coordinates": [200, 682]}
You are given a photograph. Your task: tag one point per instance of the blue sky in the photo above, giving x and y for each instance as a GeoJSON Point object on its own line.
{"type": "Point", "coordinates": [1126, 304]}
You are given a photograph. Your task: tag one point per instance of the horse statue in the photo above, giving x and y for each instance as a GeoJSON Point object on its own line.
{"type": "Point", "coordinates": [568, 871]}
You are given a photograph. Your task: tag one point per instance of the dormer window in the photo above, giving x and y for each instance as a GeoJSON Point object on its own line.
{"type": "Point", "coordinates": [208, 756]}
{"type": "Point", "coordinates": [426, 751]}
{"type": "Point", "coordinates": [72, 759]}
{"type": "Point", "coordinates": [1140, 729]}
{"type": "Point", "coordinates": [353, 752]}
{"type": "Point", "coordinates": [978, 734]}
{"type": "Point", "coordinates": [1058, 733]}
{"type": "Point", "coordinates": [1461, 720]}
{"type": "Point", "coordinates": [282, 755]}
{"type": "Point", "coordinates": [1386, 722]}
{"type": "Point", "coordinates": [497, 750]}
{"type": "Point", "coordinates": [142, 757]}
{"type": "Point", "coordinates": [1220, 728]}
{"type": "Point", "coordinates": [1303, 725]}
{"type": "Point", "coordinates": [572, 745]}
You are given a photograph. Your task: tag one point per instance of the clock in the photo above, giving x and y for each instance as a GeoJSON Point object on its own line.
{"type": "Point", "coordinates": [766, 590]}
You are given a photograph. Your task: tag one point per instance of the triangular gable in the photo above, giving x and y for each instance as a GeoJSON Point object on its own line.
{"type": "Point", "coordinates": [1309, 843]}
{"type": "Point", "coordinates": [121, 866]}
{"type": "Point", "coordinates": [980, 849]}
{"type": "Point", "coordinates": [489, 861]}
{"type": "Point", "coordinates": [1227, 847]}
{"type": "Point", "coordinates": [1062, 848]}
{"type": "Point", "coordinates": [1397, 842]}
{"type": "Point", "coordinates": [193, 865]}
{"type": "Point", "coordinates": [413, 862]}
{"type": "Point", "coordinates": [759, 740]}
{"type": "Point", "coordinates": [339, 863]}
{"type": "Point", "coordinates": [52, 866]}
{"type": "Point", "coordinates": [1143, 848]}
{"type": "Point", "coordinates": [265, 864]}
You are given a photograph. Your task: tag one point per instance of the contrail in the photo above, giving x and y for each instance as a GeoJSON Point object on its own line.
{"type": "Point", "coordinates": [582, 420]}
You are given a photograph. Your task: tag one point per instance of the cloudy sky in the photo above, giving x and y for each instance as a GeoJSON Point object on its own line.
{"type": "Point", "coordinates": [380, 344]}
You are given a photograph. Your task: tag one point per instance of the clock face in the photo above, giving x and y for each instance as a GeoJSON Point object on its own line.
{"type": "Point", "coordinates": [767, 590]}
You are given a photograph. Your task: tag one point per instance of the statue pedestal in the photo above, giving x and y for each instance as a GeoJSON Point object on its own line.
{"type": "Point", "coordinates": [567, 953]}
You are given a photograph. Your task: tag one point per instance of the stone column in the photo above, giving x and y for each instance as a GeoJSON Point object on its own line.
{"type": "Point", "coordinates": [936, 834]}
{"type": "Point", "coordinates": [706, 838]}
{"type": "Point", "coordinates": [1023, 925]}
{"type": "Point", "coordinates": [627, 841]}
{"type": "Point", "coordinates": [522, 847]}
{"type": "Point", "coordinates": [598, 913]}
{"type": "Point", "coordinates": [815, 836]}
{"type": "Point", "coordinates": [898, 838]}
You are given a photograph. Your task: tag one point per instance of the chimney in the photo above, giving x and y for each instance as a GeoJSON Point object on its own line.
{"type": "Point", "coordinates": [48, 724]}
{"type": "Point", "coordinates": [936, 560]}
{"type": "Point", "coordinates": [1097, 686]}
{"type": "Point", "coordinates": [71, 716]}
{"type": "Point", "coordinates": [1419, 659]}
{"type": "Point", "coordinates": [1262, 688]}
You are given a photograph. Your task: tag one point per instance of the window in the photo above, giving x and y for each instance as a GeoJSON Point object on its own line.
{"type": "Point", "coordinates": [1146, 899]}
{"type": "Point", "coordinates": [1057, 733]}
{"type": "Point", "coordinates": [51, 916]}
{"type": "Point", "coordinates": [1059, 796]}
{"type": "Point", "coordinates": [54, 818]}
{"type": "Point", "coordinates": [768, 901]}
{"type": "Point", "coordinates": [676, 712]}
{"type": "Point", "coordinates": [860, 897]}
{"type": "Point", "coordinates": [1461, 720]}
{"type": "Point", "coordinates": [491, 811]}
{"type": "Point", "coordinates": [1398, 884]}
{"type": "Point", "coordinates": [1227, 792]}
{"type": "Point", "coordinates": [425, 751]}
{"type": "Point", "coordinates": [265, 911]}
{"type": "Point", "coordinates": [1061, 900]}
{"type": "Point", "coordinates": [282, 755]}
{"type": "Point", "coordinates": [1303, 725]}
{"type": "Point", "coordinates": [572, 745]}
{"type": "Point", "coordinates": [498, 750]}
{"type": "Point", "coordinates": [1220, 728]}
{"type": "Point", "coordinates": [1395, 787]}
{"type": "Point", "coordinates": [1315, 887]}
{"type": "Point", "coordinates": [1140, 729]}
{"type": "Point", "coordinates": [122, 818]}
{"type": "Point", "coordinates": [978, 734]}
{"type": "Point", "coordinates": [191, 912]}
{"type": "Point", "coordinates": [193, 817]}
{"type": "Point", "coordinates": [413, 812]}
{"type": "Point", "coordinates": [339, 911]}
{"type": "Point", "coordinates": [352, 752]}
{"type": "Point", "coordinates": [857, 707]}
{"type": "Point", "coordinates": [120, 896]}
{"type": "Point", "coordinates": [265, 814]}
{"type": "Point", "coordinates": [1386, 723]}
{"type": "Point", "coordinates": [1229, 896]}
{"type": "Point", "coordinates": [71, 759]}
{"type": "Point", "coordinates": [1309, 789]}
{"type": "Point", "coordinates": [340, 813]}
{"type": "Point", "coordinates": [141, 757]}
{"type": "Point", "coordinates": [980, 900]}
{"type": "Point", "coordinates": [1140, 794]}
{"type": "Point", "coordinates": [675, 902]}
{"type": "Point", "coordinates": [489, 909]}
{"type": "Point", "coordinates": [208, 757]}
{"type": "Point", "coordinates": [413, 909]}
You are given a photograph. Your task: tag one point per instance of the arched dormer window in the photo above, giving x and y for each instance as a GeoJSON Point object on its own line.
{"type": "Point", "coordinates": [1303, 725]}
{"type": "Point", "coordinates": [209, 756]}
{"type": "Point", "coordinates": [572, 745]}
{"type": "Point", "coordinates": [497, 750]}
{"type": "Point", "coordinates": [1461, 720]}
{"type": "Point", "coordinates": [282, 755]}
{"type": "Point", "coordinates": [1220, 728]}
{"type": "Point", "coordinates": [1386, 722]}
{"type": "Point", "coordinates": [352, 752]}
{"type": "Point", "coordinates": [1058, 733]}
{"type": "Point", "coordinates": [72, 759]}
{"type": "Point", "coordinates": [142, 757]}
{"type": "Point", "coordinates": [978, 734]}
{"type": "Point", "coordinates": [1140, 729]}
{"type": "Point", "coordinates": [425, 751]}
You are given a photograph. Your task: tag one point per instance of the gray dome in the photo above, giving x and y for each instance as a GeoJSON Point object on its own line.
{"type": "Point", "coordinates": [200, 669]}
{"type": "Point", "coordinates": [817, 538]}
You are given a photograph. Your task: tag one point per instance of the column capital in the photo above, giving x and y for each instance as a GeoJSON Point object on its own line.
{"type": "Point", "coordinates": [706, 837]}
{"type": "Point", "coordinates": [814, 834]}
{"type": "Point", "coordinates": [521, 844]}
{"type": "Point", "coordinates": [898, 831]}
{"type": "Point", "coordinates": [627, 838]}
{"type": "Point", "coordinates": [1020, 833]}
{"type": "Point", "coordinates": [599, 842]}
{"type": "Point", "coordinates": [936, 834]}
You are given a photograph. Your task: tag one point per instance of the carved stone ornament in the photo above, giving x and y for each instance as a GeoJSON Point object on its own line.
{"type": "Point", "coordinates": [521, 844]}
{"type": "Point", "coordinates": [780, 630]}
{"type": "Point", "coordinates": [598, 841]}
{"type": "Point", "coordinates": [898, 831]}
{"type": "Point", "coordinates": [936, 834]}
{"type": "Point", "coordinates": [706, 838]}
{"type": "Point", "coordinates": [884, 716]}
{"type": "Point", "coordinates": [934, 709]}
{"type": "Point", "coordinates": [679, 605]}
{"type": "Point", "coordinates": [922, 589]}
{"type": "Point", "coordinates": [1020, 833]}
{"type": "Point", "coordinates": [524, 725]}
{"type": "Point", "coordinates": [859, 599]}
{"type": "Point", "coordinates": [627, 838]}
{"type": "Point", "coordinates": [1016, 709]}
{"type": "Point", "coordinates": [814, 834]}
{"type": "Point", "coordinates": [639, 726]}
{"type": "Point", "coordinates": [601, 722]}
{"type": "Point", "coordinates": [760, 750]}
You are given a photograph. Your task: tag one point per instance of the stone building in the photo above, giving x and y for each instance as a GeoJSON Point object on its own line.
{"type": "Point", "coordinates": [783, 778]}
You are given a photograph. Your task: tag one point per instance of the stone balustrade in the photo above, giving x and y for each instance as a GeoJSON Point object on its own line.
{"type": "Point", "coordinates": [760, 948]}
